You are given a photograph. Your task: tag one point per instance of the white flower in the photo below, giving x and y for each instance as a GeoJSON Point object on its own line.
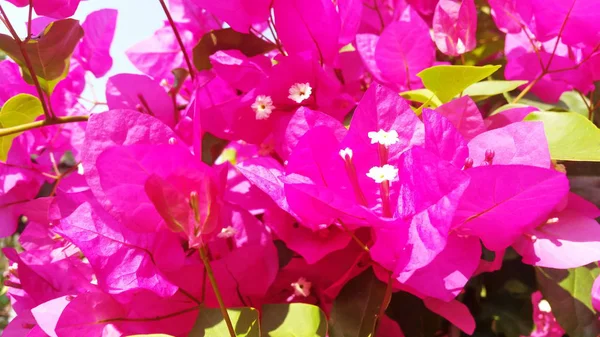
{"type": "Point", "coordinates": [544, 306]}
{"type": "Point", "coordinates": [263, 106]}
{"type": "Point", "coordinates": [227, 232]}
{"type": "Point", "coordinates": [383, 173]}
{"type": "Point", "coordinates": [299, 92]}
{"type": "Point", "coordinates": [384, 138]}
{"type": "Point", "coordinates": [302, 287]}
{"type": "Point", "coordinates": [346, 152]}
{"type": "Point", "coordinates": [80, 170]}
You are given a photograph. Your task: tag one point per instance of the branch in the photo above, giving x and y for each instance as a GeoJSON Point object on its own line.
{"type": "Point", "coordinates": [27, 62]}
{"type": "Point", "coordinates": [178, 37]}
{"type": "Point", "coordinates": [45, 122]}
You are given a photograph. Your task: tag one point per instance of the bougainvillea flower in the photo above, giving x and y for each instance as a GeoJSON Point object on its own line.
{"type": "Point", "coordinates": [239, 14]}
{"type": "Point", "coordinates": [454, 26]}
{"type": "Point", "coordinates": [58, 9]}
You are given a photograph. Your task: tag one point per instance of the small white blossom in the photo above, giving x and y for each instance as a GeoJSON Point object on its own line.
{"type": "Point", "coordinates": [80, 169]}
{"type": "Point", "coordinates": [302, 287]}
{"type": "Point", "coordinates": [552, 220]}
{"type": "Point", "coordinates": [544, 306]}
{"type": "Point", "coordinates": [383, 173]}
{"type": "Point", "coordinates": [299, 92]}
{"type": "Point", "coordinates": [384, 138]}
{"type": "Point", "coordinates": [263, 106]}
{"type": "Point", "coordinates": [346, 152]}
{"type": "Point", "coordinates": [227, 232]}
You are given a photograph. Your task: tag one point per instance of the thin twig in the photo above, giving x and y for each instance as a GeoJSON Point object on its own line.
{"type": "Point", "coordinates": [45, 122]}
{"type": "Point", "coordinates": [213, 283]}
{"type": "Point", "coordinates": [28, 63]}
{"type": "Point", "coordinates": [29, 33]}
{"type": "Point", "coordinates": [386, 301]}
{"type": "Point", "coordinates": [354, 237]}
{"type": "Point", "coordinates": [178, 37]}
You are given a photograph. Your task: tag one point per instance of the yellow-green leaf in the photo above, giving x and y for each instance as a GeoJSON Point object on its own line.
{"type": "Point", "coordinates": [18, 110]}
{"type": "Point", "coordinates": [482, 90]}
{"type": "Point", "coordinates": [210, 323]}
{"type": "Point", "coordinates": [422, 96]}
{"type": "Point", "coordinates": [449, 81]}
{"type": "Point", "coordinates": [570, 135]}
{"type": "Point", "coordinates": [295, 319]}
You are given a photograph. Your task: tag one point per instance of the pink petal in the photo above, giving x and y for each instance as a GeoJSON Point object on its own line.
{"type": "Point", "coordinates": [404, 49]}
{"type": "Point", "coordinates": [139, 92]}
{"type": "Point", "coordinates": [454, 26]}
{"type": "Point", "coordinates": [443, 139]}
{"type": "Point", "coordinates": [58, 9]}
{"type": "Point", "coordinates": [300, 30]}
{"type": "Point", "coordinates": [94, 49]}
{"type": "Point", "coordinates": [522, 143]}
{"type": "Point", "coordinates": [127, 260]}
{"type": "Point", "coordinates": [118, 127]}
{"type": "Point", "coordinates": [464, 115]}
{"type": "Point", "coordinates": [568, 240]}
{"type": "Point", "coordinates": [497, 207]}
{"type": "Point", "coordinates": [445, 277]}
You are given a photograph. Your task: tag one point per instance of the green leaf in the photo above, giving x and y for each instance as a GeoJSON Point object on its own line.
{"type": "Point", "coordinates": [210, 323]}
{"type": "Point", "coordinates": [18, 110]}
{"type": "Point", "coordinates": [228, 39]}
{"type": "Point", "coordinates": [49, 54]}
{"type": "Point", "coordinates": [448, 81]}
{"type": "Point", "coordinates": [295, 319]}
{"type": "Point", "coordinates": [355, 309]}
{"type": "Point", "coordinates": [508, 107]}
{"type": "Point", "coordinates": [212, 147]}
{"type": "Point", "coordinates": [570, 135]}
{"type": "Point", "coordinates": [422, 96]}
{"type": "Point", "coordinates": [569, 293]}
{"type": "Point", "coordinates": [575, 102]}
{"type": "Point", "coordinates": [482, 90]}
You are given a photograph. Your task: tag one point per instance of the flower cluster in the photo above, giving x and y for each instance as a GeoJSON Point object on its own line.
{"type": "Point", "coordinates": [265, 156]}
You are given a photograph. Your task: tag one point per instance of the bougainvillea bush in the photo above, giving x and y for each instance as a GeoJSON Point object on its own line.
{"type": "Point", "coordinates": [302, 168]}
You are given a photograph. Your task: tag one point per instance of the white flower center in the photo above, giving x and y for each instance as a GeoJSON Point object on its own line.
{"type": "Point", "coordinates": [544, 306]}
{"type": "Point", "coordinates": [80, 170]}
{"type": "Point", "coordinates": [384, 138]}
{"type": "Point", "coordinates": [263, 106]}
{"type": "Point", "coordinates": [383, 173]}
{"type": "Point", "coordinates": [299, 92]}
{"type": "Point", "coordinates": [302, 287]}
{"type": "Point", "coordinates": [346, 152]}
{"type": "Point", "coordinates": [227, 232]}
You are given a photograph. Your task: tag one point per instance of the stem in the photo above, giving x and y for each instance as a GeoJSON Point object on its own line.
{"type": "Point", "coordinates": [527, 88]}
{"type": "Point", "coordinates": [45, 122]}
{"type": "Point", "coordinates": [27, 62]}
{"type": "Point", "coordinates": [354, 237]}
{"type": "Point", "coordinates": [29, 20]}
{"type": "Point", "coordinates": [213, 283]}
{"type": "Point", "coordinates": [386, 301]}
{"type": "Point", "coordinates": [178, 37]}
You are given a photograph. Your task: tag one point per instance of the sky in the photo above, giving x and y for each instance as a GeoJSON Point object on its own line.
{"type": "Point", "coordinates": [136, 21]}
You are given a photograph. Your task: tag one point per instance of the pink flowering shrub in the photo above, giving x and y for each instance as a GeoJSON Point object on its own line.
{"type": "Point", "coordinates": [303, 168]}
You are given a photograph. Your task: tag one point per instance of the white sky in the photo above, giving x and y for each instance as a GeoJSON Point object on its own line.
{"type": "Point", "coordinates": [137, 20]}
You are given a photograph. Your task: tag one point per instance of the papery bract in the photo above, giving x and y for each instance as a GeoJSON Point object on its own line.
{"type": "Point", "coordinates": [454, 26]}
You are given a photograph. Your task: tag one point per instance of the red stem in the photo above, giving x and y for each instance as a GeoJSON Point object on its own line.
{"type": "Point", "coordinates": [178, 37]}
